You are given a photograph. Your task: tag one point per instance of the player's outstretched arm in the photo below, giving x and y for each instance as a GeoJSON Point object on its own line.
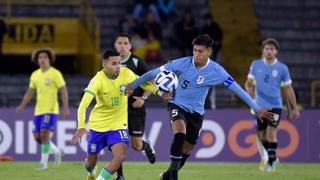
{"type": "Point", "coordinates": [65, 102]}
{"type": "Point", "coordinates": [145, 78]}
{"type": "Point", "coordinates": [260, 112]}
{"type": "Point", "coordinates": [26, 99]}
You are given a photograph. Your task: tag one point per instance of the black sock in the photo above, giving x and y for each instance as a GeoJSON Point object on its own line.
{"type": "Point", "coordinates": [120, 171]}
{"type": "Point", "coordinates": [265, 144]}
{"type": "Point", "coordinates": [145, 146]}
{"type": "Point", "coordinates": [176, 153]}
{"type": "Point", "coordinates": [272, 149]}
{"type": "Point", "coordinates": [183, 160]}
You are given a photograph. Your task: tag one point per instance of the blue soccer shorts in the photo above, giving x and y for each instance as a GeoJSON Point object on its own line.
{"type": "Point", "coordinates": [99, 140]}
{"type": "Point", "coordinates": [44, 121]}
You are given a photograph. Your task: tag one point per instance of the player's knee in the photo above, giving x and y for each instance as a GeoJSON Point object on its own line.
{"type": "Point", "coordinates": [37, 138]}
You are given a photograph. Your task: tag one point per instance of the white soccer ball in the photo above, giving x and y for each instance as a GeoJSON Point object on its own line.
{"type": "Point", "coordinates": [166, 81]}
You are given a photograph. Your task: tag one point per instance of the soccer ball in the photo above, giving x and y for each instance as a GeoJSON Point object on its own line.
{"type": "Point", "coordinates": [166, 81]}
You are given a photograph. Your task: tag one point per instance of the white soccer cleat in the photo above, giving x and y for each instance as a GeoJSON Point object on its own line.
{"type": "Point", "coordinates": [58, 158]}
{"type": "Point", "coordinates": [262, 164]}
{"type": "Point", "coordinates": [42, 166]}
{"type": "Point", "coordinates": [272, 167]}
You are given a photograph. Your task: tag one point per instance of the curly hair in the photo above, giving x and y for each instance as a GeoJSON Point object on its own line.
{"type": "Point", "coordinates": [48, 51]}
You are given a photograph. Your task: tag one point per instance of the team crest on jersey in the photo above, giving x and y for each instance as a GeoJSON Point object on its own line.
{"type": "Point", "coordinates": [47, 81]}
{"type": "Point", "coordinates": [274, 73]}
{"type": "Point", "coordinates": [122, 88]}
{"type": "Point", "coordinates": [200, 79]}
{"type": "Point", "coordinates": [93, 147]}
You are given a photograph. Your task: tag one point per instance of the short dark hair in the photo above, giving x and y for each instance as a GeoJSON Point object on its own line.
{"type": "Point", "coordinates": [48, 51]}
{"type": "Point", "coordinates": [271, 41]}
{"type": "Point", "coordinates": [108, 53]}
{"type": "Point", "coordinates": [203, 40]}
{"type": "Point", "coordinates": [122, 34]}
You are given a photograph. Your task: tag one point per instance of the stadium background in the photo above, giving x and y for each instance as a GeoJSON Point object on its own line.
{"type": "Point", "coordinates": [79, 30]}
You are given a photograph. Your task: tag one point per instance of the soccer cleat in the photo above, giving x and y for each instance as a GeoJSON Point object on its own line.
{"type": "Point", "coordinates": [89, 177]}
{"type": "Point", "coordinates": [150, 153]}
{"type": "Point", "coordinates": [58, 158]}
{"type": "Point", "coordinates": [119, 178]}
{"type": "Point", "coordinates": [272, 167]}
{"type": "Point", "coordinates": [165, 176]}
{"type": "Point", "coordinates": [262, 164]}
{"type": "Point", "coordinates": [42, 166]}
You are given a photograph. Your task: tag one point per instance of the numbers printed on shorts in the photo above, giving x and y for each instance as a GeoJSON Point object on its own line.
{"type": "Point", "coordinates": [174, 112]}
{"type": "Point", "coordinates": [123, 134]}
{"type": "Point", "coordinates": [46, 118]}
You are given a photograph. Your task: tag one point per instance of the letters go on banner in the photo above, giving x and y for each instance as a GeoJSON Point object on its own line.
{"type": "Point", "coordinates": [226, 136]}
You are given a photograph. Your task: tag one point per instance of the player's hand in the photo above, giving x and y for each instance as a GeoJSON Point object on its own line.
{"type": "Point", "coordinates": [78, 135]}
{"type": "Point", "coordinates": [294, 114]}
{"type": "Point", "coordinates": [66, 113]}
{"type": "Point", "coordinates": [139, 102]}
{"type": "Point", "coordinates": [264, 113]}
{"type": "Point", "coordinates": [20, 109]}
{"type": "Point", "coordinates": [129, 89]}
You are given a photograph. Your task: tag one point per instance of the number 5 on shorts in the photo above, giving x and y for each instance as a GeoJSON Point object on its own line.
{"type": "Point", "coordinates": [174, 112]}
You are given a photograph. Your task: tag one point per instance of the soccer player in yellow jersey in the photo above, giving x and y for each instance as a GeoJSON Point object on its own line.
{"type": "Point", "coordinates": [46, 82]}
{"type": "Point", "coordinates": [108, 121]}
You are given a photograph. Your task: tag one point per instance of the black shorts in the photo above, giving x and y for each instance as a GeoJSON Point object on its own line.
{"type": "Point", "coordinates": [193, 121]}
{"type": "Point", "coordinates": [136, 121]}
{"type": "Point", "coordinates": [263, 123]}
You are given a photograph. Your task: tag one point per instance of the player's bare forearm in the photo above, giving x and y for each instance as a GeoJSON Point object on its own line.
{"type": "Point", "coordinates": [250, 87]}
{"type": "Point", "coordinates": [292, 102]}
{"type": "Point", "coordinates": [26, 99]}
{"type": "Point", "coordinates": [65, 101]}
{"type": "Point", "coordinates": [290, 95]}
{"type": "Point", "coordinates": [146, 93]}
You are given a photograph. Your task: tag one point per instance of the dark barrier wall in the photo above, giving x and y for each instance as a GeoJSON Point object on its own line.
{"type": "Point", "coordinates": [227, 135]}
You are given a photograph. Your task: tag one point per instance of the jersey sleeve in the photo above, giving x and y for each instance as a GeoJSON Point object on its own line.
{"type": "Point", "coordinates": [170, 66]}
{"type": "Point", "coordinates": [84, 104]}
{"type": "Point", "coordinates": [286, 76]}
{"type": "Point", "coordinates": [93, 86]}
{"type": "Point", "coordinates": [223, 76]}
{"type": "Point", "coordinates": [60, 80]}
{"type": "Point", "coordinates": [32, 83]}
{"type": "Point", "coordinates": [251, 74]}
{"type": "Point", "coordinates": [146, 86]}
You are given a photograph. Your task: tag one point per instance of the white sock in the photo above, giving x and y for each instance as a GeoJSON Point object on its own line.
{"type": "Point", "coordinates": [262, 151]}
{"type": "Point", "coordinates": [44, 158]}
{"type": "Point", "coordinates": [54, 149]}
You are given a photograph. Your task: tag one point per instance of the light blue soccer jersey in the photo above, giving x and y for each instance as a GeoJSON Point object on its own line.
{"type": "Point", "coordinates": [194, 83]}
{"type": "Point", "coordinates": [268, 82]}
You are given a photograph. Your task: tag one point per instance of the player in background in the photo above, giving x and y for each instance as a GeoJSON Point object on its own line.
{"type": "Point", "coordinates": [46, 82]}
{"type": "Point", "coordinates": [196, 75]}
{"type": "Point", "coordinates": [136, 108]}
{"type": "Point", "coordinates": [108, 120]}
{"type": "Point", "coordinates": [268, 73]}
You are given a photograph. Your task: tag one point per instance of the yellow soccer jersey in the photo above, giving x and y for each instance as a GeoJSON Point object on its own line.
{"type": "Point", "coordinates": [46, 84]}
{"type": "Point", "coordinates": [111, 109]}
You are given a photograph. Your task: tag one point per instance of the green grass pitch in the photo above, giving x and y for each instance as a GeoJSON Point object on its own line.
{"type": "Point", "coordinates": [145, 171]}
